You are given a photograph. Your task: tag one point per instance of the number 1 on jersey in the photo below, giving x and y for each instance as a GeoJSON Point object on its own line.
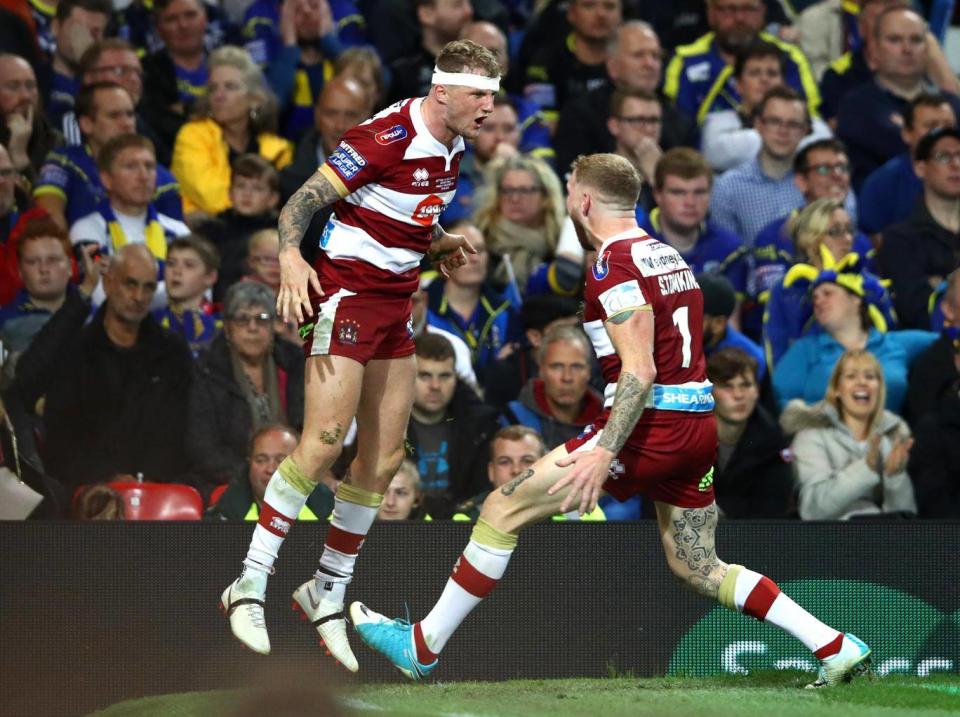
{"type": "Point", "coordinates": [681, 319]}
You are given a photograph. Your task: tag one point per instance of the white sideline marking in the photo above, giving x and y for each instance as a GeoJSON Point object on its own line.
{"type": "Point", "coordinates": [358, 704]}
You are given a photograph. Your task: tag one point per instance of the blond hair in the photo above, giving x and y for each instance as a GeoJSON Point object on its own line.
{"type": "Point", "coordinates": [487, 213]}
{"type": "Point", "coordinates": [264, 118]}
{"type": "Point", "coordinates": [614, 178]}
{"type": "Point", "coordinates": [833, 386]}
{"type": "Point", "coordinates": [464, 55]}
{"type": "Point", "coordinates": [809, 226]}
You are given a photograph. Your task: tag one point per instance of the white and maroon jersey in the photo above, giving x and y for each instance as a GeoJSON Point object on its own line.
{"type": "Point", "coordinates": [632, 270]}
{"type": "Point", "coordinates": [399, 179]}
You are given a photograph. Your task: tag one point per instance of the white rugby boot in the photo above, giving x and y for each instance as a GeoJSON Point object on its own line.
{"type": "Point", "coordinates": [329, 619]}
{"type": "Point", "coordinates": [852, 661]}
{"type": "Point", "coordinates": [244, 609]}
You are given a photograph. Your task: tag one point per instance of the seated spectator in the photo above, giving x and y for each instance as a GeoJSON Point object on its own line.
{"type": "Point", "coordinates": [237, 116]}
{"type": "Point", "coordinates": [118, 407]}
{"type": "Point", "coordinates": [918, 253]}
{"type": "Point", "coordinates": [520, 217]}
{"type": "Point", "coordinates": [77, 25]}
{"type": "Point", "coordinates": [69, 186]}
{"type": "Point", "coordinates": [852, 68]}
{"type": "Point", "coordinates": [938, 366]}
{"type": "Point", "coordinates": [466, 305]}
{"type": "Point", "coordinates": [846, 321]}
{"type": "Point", "coordinates": [98, 502]}
{"type": "Point", "coordinates": [244, 380]}
{"type": "Point", "coordinates": [363, 65]}
{"type": "Point", "coordinates": [340, 105]}
{"type": "Point", "coordinates": [463, 364]}
{"type": "Point", "coordinates": [635, 120]}
{"type": "Point", "coordinates": [822, 239]}
{"type": "Point", "coordinates": [747, 198]}
{"type": "Point", "coordinates": [503, 379]}
{"type": "Point", "coordinates": [263, 259]}
{"type": "Point", "coordinates": [850, 452]}
{"type": "Point", "coordinates": [890, 193]}
{"type": "Point", "coordinates": [934, 460]}
{"type": "Point", "coordinates": [254, 199]}
{"type": "Point", "coordinates": [403, 497]}
{"type": "Point", "coordinates": [870, 117]}
{"type": "Point", "coordinates": [562, 67]}
{"type": "Point", "coordinates": [128, 215]}
{"type": "Point", "coordinates": [513, 449]}
{"type": "Point", "coordinates": [753, 477]}
{"type": "Point", "coordinates": [189, 274]}
{"type": "Point", "coordinates": [243, 498]}
{"type": "Point", "coordinates": [729, 136]}
{"type": "Point", "coordinates": [44, 262]}
{"type": "Point", "coordinates": [821, 170]}
{"type": "Point", "coordinates": [449, 430]}
{"type": "Point", "coordinates": [719, 303]}
{"type": "Point", "coordinates": [114, 60]}
{"type": "Point", "coordinates": [699, 78]}
{"type": "Point", "coordinates": [634, 62]}
{"type": "Point", "coordinates": [175, 76]}
{"type": "Point", "coordinates": [24, 129]}
{"type": "Point", "coordinates": [682, 182]}
{"type": "Point", "coordinates": [295, 43]}
{"type": "Point", "coordinates": [559, 404]}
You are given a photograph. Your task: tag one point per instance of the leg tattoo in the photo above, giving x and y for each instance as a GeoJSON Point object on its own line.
{"type": "Point", "coordinates": [693, 536]}
{"type": "Point", "coordinates": [510, 487]}
{"type": "Point", "coordinates": [332, 436]}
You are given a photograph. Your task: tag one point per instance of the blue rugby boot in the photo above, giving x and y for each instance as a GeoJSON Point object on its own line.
{"type": "Point", "coordinates": [391, 638]}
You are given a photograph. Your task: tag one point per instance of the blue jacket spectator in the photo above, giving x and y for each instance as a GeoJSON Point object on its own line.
{"type": "Point", "coordinates": [871, 115]}
{"type": "Point", "coordinates": [890, 192]}
{"type": "Point", "coordinates": [919, 253]}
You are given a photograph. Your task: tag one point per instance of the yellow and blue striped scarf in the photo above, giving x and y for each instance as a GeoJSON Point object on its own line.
{"type": "Point", "coordinates": [156, 238]}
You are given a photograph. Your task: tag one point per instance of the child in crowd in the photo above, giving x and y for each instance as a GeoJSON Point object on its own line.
{"type": "Point", "coordinates": [190, 273]}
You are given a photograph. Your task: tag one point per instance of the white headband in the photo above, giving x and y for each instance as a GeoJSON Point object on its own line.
{"type": "Point", "coordinates": [466, 79]}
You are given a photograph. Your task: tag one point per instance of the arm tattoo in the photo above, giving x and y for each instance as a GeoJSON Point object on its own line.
{"type": "Point", "coordinates": [510, 487]}
{"type": "Point", "coordinates": [693, 540]}
{"type": "Point", "coordinates": [315, 194]}
{"type": "Point", "coordinates": [628, 404]}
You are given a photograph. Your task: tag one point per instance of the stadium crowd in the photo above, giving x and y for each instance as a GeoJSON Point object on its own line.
{"type": "Point", "coordinates": [802, 157]}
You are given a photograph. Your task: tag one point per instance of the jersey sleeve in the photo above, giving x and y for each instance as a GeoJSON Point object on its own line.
{"type": "Point", "coordinates": [364, 153]}
{"type": "Point", "coordinates": [621, 287]}
{"type": "Point", "coordinates": [54, 178]}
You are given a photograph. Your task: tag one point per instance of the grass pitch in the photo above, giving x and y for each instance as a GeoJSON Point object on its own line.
{"type": "Point", "coordinates": [759, 695]}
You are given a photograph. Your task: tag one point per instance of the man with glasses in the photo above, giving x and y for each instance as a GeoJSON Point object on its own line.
{"type": "Point", "coordinates": [70, 186]}
{"type": "Point", "coordinates": [919, 253]}
{"type": "Point", "coordinates": [890, 192]}
{"type": "Point", "coordinates": [635, 121]}
{"type": "Point", "coordinates": [747, 198]}
{"type": "Point", "coordinates": [699, 78]}
{"type": "Point", "coordinates": [634, 62]}
{"type": "Point", "coordinates": [870, 118]}
{"type": "Point", "coordinates": [729, 137]}
{"type": "Point", "coordinates": [820, 170]}
{"type": "Point", "coordinates": [116, 61]}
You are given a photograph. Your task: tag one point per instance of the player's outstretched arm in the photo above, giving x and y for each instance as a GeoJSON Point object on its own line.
{"type": "Point", "coordinates": [295, 273]}
{"type": "Point", "coordinates": [631, 333]}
